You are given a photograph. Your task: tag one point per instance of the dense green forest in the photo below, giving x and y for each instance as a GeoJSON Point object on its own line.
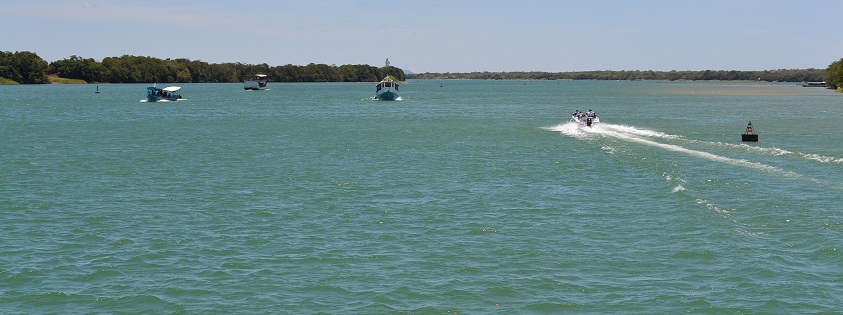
{"type": "Point", "coordinates": [834, 75]}
{"type": "Point", "coordinates": [726, 75]}
{"type": "Point", "coordinates": [23, 67]}
{"type": "Point", "coordinates": [28, 68]}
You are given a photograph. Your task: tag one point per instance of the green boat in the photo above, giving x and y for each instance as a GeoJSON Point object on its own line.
{"type": "Point", "coordinates": [386, 90]}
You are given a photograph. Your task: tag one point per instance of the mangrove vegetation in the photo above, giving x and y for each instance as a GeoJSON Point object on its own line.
{"type": "Point", "coordinates": [28, 68]}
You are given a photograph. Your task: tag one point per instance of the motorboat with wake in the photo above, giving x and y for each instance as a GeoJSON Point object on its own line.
{"type": "Point", "coordinates": [170, 93]}
{"type": "Point", "coordinates": [588, 118]}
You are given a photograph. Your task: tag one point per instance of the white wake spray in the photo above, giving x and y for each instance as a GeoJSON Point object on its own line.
{"type": "Point", "coordinates": [643, 136]}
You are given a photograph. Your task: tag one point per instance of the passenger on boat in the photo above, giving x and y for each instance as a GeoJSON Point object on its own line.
{"type": "Point", "coordinates": [591, 114]}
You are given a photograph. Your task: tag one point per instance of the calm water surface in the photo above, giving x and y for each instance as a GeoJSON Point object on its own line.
{"type": "Point", "coordinates": [475, 197]}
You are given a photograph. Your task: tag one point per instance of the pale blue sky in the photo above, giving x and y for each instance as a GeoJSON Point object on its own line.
{"type": "Point", "coordinates": [438, 35]}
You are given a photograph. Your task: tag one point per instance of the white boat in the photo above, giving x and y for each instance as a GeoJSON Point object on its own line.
{"type": "Point", "coordinates": [170, 93]}
{"type": "Point", "coordinates": [255, 82]}
{"type": "Point", "coordinates": [386, 90]}
{"type": "Point", "coordinates": [586, 119]}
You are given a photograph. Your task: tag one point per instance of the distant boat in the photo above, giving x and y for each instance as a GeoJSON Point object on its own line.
{"type": "Point", "coordinates": [170, 93]}
{"type": "Point", "coordinates": [813, 84]}
{"type": "Point", "coordinates": [255, 82]}
{"type": "Point", "coordinates": [386, 90]}
{"type": "Point", "coordinates": [98, 90]}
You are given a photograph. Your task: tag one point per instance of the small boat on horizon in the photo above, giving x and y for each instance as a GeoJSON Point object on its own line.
{"type": "Point", "coordinates": [386, 90]}
{"type": "Point", "coordinates": [255, 82]}
{"type": "Point", "coordinates": [813, 84]}
{"type": "Point", "coordinates": [170, 93]}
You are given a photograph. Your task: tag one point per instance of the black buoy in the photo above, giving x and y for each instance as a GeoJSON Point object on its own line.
{"type": "Point", "coordinates": [749, 135]}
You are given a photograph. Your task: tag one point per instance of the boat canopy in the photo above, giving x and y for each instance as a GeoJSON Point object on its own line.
{"type": "Point", "coordinates": [172, 88]}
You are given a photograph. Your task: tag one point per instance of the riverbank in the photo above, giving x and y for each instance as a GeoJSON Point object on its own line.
{"type": "Point", "coordinates": [53, 79]}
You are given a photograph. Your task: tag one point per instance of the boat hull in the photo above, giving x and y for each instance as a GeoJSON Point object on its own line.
{"type": "Point", "coordinates": [387, 96]}
{"type": "Point", "coordinates": [255, 82]}
{"type": "Point", "coordinates": [254, 85]}
{"type": "Point", "coordinates": [154, 98]}
{"type": "Point", "coordinates": [585, 121]}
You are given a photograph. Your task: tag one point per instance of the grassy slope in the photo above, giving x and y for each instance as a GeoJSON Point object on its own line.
{"type": "Point", "coordinates": [54, 79]}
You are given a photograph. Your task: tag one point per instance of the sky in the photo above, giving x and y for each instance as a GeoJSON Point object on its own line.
{"type": "Point", "coordinates": [438, 35]}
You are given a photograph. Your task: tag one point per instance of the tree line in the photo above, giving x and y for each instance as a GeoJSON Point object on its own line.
{"type": "Point", "coordinates": [23, 67]}
{"type": "Point", "coordinates": [782, 75]}
{"type": "Point", "coordinates": [834, 75]}
{"type": "Point", "coordinates": [28, 68]}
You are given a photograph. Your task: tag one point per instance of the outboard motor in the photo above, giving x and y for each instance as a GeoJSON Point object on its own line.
{"type": "Point", "coordinates": [588, 121]}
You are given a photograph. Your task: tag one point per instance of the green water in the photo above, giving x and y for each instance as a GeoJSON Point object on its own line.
{"type": "Point", "coordinates": [473, 197]}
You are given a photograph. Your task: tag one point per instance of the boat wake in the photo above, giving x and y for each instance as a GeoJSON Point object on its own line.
{"type": "Point", "coordinates": [374, 98]}
{"type": "Point", "coordinates": [649, 137]}
{"type": "Point", "coordinates": [607, 136]}
{"type": "Point", "coordinates": [773, 151]}
{"type": "Point", "coordinates": [163, 101]}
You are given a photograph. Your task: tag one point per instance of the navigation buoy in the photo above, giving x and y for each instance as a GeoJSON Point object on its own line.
{"type": "Point", "coordinates": [749, 135]}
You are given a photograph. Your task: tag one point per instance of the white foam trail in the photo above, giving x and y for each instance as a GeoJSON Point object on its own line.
{"type": "Point", "coordinates": [705, 155]}
{"type": "Point", "coordinates": [726, 214]}
{"type": "Point", "coordinates": [570, 129]}
{"type": "Point", "coordinates": [820, 158]}
{"type": "Point", "coordinates": [633, 134]}
{"type": "Point", "coordinates": [577, 131]}
{"type": "Point", "coordinates": [773, 151]}
{"type": "Point", "coordinates": [638, 132]}
{"type": "Point", "coordinates": [748, 148]}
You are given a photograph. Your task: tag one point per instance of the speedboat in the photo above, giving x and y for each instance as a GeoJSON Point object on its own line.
{"type": "Point", "coordinates": [386, 90]}
{"type": "Point", "coordinates": [586, 120]}
{"type": "Point", "coordinates": [170, 93]}
{"type": "Point", "coordinates": [255, 82]}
